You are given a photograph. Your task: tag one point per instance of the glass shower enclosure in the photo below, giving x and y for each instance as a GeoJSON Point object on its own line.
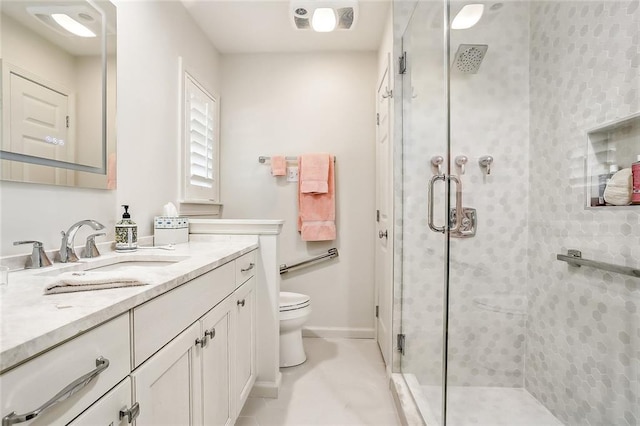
{"type": "Point", "coordinates": [497, 125]}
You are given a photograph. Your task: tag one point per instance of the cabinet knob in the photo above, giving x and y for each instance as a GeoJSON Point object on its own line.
{"type": "Point", "coordinates": [131, 413]}
{"type": "Point", "coordinates": [241, 302]}
{"type": "Point", "coordinates": [202, 342]}
{"type": "Point", "coordinates": [210, 333]}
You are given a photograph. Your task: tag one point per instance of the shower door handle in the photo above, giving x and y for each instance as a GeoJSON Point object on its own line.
{"type": "Point", "coordinates": [432, 182]}
{"type": "Point", "coordinates": [458, 208]}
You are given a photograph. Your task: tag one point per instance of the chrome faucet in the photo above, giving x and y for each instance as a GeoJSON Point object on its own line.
{"type": "Point", "coordinates": [67, 253]}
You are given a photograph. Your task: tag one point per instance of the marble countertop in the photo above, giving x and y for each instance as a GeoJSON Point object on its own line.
{"type": "Point", "coordinates": [31, 322]}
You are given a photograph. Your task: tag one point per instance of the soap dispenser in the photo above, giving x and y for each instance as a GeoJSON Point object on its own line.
{"type": "Point", "coordinates": [126, 233]}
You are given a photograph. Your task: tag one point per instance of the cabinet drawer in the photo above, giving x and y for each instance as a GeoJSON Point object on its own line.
{"type": "Point", "coordinates": [32, 384]}
{"type": "Point", "coordinates": [106, 411]}
{"type": "Point", "coordinates": [159, 320]}
{"type": "Point", "coordinates": [245, 267]}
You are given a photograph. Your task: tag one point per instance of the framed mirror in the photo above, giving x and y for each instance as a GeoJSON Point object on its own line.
{"type": "Point", "coordinates": [58, 60]}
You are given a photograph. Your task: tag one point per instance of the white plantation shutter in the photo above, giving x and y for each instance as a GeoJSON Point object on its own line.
{"type": "Point", "coordinates": [201, 143]}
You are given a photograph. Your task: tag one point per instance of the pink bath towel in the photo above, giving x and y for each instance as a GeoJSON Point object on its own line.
{"type": "Point", "coordinates": [278, 165]}
{"type": "Point", "coordinates": [314, 173]}
{"type": "Point", "coordinates": [317, 212]}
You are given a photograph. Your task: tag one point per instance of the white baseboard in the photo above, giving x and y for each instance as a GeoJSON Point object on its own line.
{"type": "Point", "coordinates": [266, 389]}
{"type": "Point", "coordinates": [339, 332]}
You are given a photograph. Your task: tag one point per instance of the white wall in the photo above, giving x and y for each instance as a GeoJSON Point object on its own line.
{"type": "Point", "coordinates": [290, 104]}
{"type": "Point", "coordinates": [151, 36]}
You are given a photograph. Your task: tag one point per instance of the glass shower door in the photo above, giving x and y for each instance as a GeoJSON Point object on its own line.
{"type": "Point", "coordinates": [489, 131]}
{"type": "Point", "coordinates": [424, 252]}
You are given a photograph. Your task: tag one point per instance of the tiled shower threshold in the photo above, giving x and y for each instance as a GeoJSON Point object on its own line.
{"type": "Point", "coordinates": [478, 405]}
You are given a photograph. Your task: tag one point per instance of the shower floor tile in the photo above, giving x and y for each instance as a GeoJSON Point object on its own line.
{"type": "Point", "coordinates": [343, 382]}
{"type": "Point", "coordinates": [489, 406]}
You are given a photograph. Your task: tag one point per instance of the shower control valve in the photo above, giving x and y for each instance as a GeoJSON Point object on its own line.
{"type": "Point", "coordinates": [437, 161]}
{"type": "Point", "coordinates": [485, 163]}
{"type": "Point", "coordinates": [461, 160]}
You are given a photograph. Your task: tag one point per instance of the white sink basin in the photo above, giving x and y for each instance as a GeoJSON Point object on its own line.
{"type": "Point", "coordinates": [118, 263]}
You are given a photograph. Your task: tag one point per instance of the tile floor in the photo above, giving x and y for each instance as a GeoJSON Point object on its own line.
{"type": "Point", "coordinates": [343, 382]}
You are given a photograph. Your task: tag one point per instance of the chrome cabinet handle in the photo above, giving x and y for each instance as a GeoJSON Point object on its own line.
{"type": "Point", "coordinates": [251, 265]}
{"type": "Point", "coordinates": [211, 333]}
{"type": "Point", "coordinates": [383, 234]}
{"type": "Point", "coordinates": [202, 342]}
{"type": "Point", "coordinates": [131, 413]}
{"type": "Point", "coordinates": [432, 226]}
{"type": "Point", "coordinates": [240, 303]}
{"type": "Point", "coordinates": [72, 388]}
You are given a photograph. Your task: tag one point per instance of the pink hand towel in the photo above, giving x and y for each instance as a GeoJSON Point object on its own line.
{"type": "Point", "coordinates": [314, 173]}
{"type": "Point", "coordinates": [317, 212]}
{"type": "Point", "coordinates": [278, 165]}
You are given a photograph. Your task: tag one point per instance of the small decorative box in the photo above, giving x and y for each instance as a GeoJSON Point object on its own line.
{"type": "Point", "coordinates": [170, 230]}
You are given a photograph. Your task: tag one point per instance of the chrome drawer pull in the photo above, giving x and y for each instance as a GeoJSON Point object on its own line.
{"type": "Point", "coordinates": [240, 303]}
{"type": "Point", "coordinates": [251, 265]}
{"type": "Point", "coordinates": [72, 388]}
{"type": "Point", "coordinates": [131, 413]}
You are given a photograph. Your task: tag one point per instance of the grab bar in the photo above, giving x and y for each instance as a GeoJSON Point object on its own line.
{"type": "Point", "coordinates": [574, 258]}
{"type": "Point", "coordinates": [330, 254]}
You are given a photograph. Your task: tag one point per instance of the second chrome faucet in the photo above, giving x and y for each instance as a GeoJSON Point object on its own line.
{"type": "Point", "coordinates": [67, 252]}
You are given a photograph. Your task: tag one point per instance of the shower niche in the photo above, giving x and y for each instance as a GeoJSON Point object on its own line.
{"type": "Point", "coordinates": [611, 150]}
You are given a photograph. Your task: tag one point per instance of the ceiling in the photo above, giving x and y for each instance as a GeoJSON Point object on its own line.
{"type": "Point", "coordinates": [254, 26]}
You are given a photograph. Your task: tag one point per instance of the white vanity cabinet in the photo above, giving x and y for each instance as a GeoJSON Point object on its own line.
{"type": "Point", "coordinates": [245, 340]}
{"type": "Point", "coordinates": [113, 409]}
{"type": "Point", "coordinates": [204, 375]}
{"type": "Point", "coordinates": [184, 357]}
{"type": "Point", "coordinates": [102, 353]}
{"type": "Point", "coordinates": [218, 404]}
{"type": "Point", "coordinates": [166, 385]}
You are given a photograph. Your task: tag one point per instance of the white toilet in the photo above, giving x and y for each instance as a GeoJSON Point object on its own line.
{"type": "Point", "coordinates": [295, 309]}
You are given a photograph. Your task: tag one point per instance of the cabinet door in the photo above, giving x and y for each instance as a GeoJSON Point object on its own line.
{"type": "Point", "coordinates": [167, 385]}
{"type": "Point", "coordinates": [245, 341]}
{"type": "Point", "coordinates": [216, 366]}
{"type": "Point", "coordinates": [106, 411]}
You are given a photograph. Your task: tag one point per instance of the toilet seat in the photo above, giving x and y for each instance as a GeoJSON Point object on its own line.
{"type": "Point", "coordinates": [293, 301]}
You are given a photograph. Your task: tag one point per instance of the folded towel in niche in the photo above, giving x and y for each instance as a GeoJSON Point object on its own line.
{"type": "Point", "coordinates": [69, 282]}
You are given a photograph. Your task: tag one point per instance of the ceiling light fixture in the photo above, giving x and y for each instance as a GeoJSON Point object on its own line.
{"type": "Point", "coordinates": [71, 25]}
{"type": "Point", "coordinates": [467, 17]}
{"type": "Point", "coordinates": [324, 20]}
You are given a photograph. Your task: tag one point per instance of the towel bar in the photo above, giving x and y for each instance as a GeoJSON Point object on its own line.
{"type": "Point", "coordinates": [263, 159]}
{"type": "Point", "coordinates": [574, 258]}
{"type": "Point", "coordinates": [330, 254]}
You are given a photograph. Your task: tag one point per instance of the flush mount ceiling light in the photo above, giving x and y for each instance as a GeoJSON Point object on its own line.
{"type": "Point", "coordinates": [69, 20]}
{"type": "Point", "coordinates": [468, 16]}
{"type": "Point", "coordinates": [324, 20]}
{"type": "Point", "coordinates": [71, 25]}
{"type": "Point", "coordinates": [323, 16]}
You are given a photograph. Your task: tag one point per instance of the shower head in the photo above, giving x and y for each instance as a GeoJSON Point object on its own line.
{"type": "Point", "coordinates": [469, 57]}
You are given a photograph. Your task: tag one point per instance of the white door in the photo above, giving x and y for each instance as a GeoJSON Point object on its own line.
{"type": "Point", "coordinates": [216, 366]}
{"type": "Point", "coordinates": [39, 127]}
{"type": "Point", "coordinates": [168, 384]}
{"type": "Point", "coordinates": [384, 216]}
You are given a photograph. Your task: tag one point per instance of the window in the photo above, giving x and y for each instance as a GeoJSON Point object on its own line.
{"type": "Point", "coordinates": [200, 144]}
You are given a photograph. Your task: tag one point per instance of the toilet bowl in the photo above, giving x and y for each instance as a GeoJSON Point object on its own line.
{"type": "Point", "coordinates": [295, 309]}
